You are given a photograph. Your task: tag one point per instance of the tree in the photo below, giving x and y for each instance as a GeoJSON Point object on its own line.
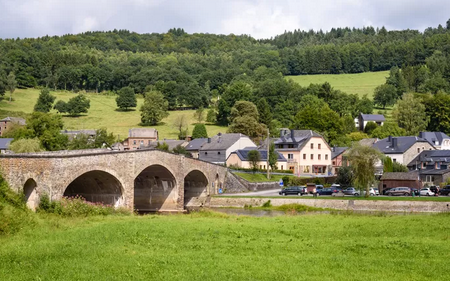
{"type": "Point", "coordinates": [61, 106]}
{"type": "Point", "coordinates": [180, 124]}
{"type": "Point", "coordinates": [199, 114]}
{"type": "Point", "coordinates": [273, 156]}
{"type": "Point", "coordinates": [180, 150]}
{"type": "Point", "coordinates": [387, 165]}
{"type": "Point", "coordinates": [163, 147]}
{"type": "Point", "coordinates": [363, 160]}
{"type": "Point", "coordinates": [45, 101]}
{"type": "Point", "coordinates": [77, 105]}
{"type": "Point", "coordinates": [11, 84]}
{"type": "Point", "coordinates": [126, 98]}
{"type": "Point", "coordinates": [385, 95]}
{"type": "Point", "coordinates": [244, 119]}
{"type": "Point", "coordinates": [265, 115]}
{"type": "Point", "coordinates": [437, 108]}
{"type": "Point", "coordinates": [344, 176]}
{"type": "Point", "coordinates": [211, 117]}
{"type": "Point", "coordinates": [254, 157]}
{"type": "Point", "coordinates": [154, 108]}
{"type": "Point", "coordinates": [410, 115]}
{"type": "Point", "coordinates": [365, 105]}
{"type": "Point", "coordinates": [26, 146]}
{"type": "Point", "coordinates": [399, 168]}
{"type": "Point", "coordinates": [370, 127]}
{"type": "Point", "coordinates": [199, 131]}
{"type": "Point", "coordinates": [388, 129]}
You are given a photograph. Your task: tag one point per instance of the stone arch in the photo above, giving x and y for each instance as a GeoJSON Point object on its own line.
{"type": "Point", "coordinates": [195, 186]}
{"type": "Point", "coordinates": [96, 186]}
{"type": "Point", "coordinates": [155, 188]}
{"type": "Point", "coordinates": [30, 194]}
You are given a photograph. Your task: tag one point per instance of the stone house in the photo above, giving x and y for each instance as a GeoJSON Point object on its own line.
{"type": "Point", "coordinates": [140, 138]}
{"type": "Point", "coordinates": [402, 149]}
{"type": "Point", "coordinates": [337, 158]}
{"type": "Point", "coordinates": [391, 180]}
{"type": "Point", "coordinates": [439, 140]}
{"type": "Point", "coordinates": [363, 119]}
{"type": "Point", "coordinates": [8, 121]}
{"type": "Point", "coordinates": [431, 177]}
{"type": "Point", "coordinates": [218, 148]}
{"type": "Point", "coordinates": [306, 151]}
{"type": "Point", "coordinates": [240, 159]}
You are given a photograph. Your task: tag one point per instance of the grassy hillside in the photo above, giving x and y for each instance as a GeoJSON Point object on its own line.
{"type": "Point", "coordinates": [102, 113]}
{"type": "Point", "coordinates": [363, 83]}
{"type": "Point", "coordinates": [212, 246]}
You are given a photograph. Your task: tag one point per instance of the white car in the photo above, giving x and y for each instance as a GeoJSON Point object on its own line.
{"type": "Point", "coordinates": [374, 191]}
{"type": "Point", "coordinates": [426, 192]}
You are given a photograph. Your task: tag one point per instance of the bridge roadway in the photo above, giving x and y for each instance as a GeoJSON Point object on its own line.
{"type": "Point", "coordinates": [145, 180]}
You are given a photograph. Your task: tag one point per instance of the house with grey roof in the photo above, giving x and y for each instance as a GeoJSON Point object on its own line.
{"type": "Point", "coordinates": [240, 159]}
{"type": "Point", "coordinates": [139, 138]}
{"type": "Point", "coordinates": [218, 148]}
{"type": "Point", "coordinates": [8, 121]}
{"type": "Point", "coordinates": [171, 144]}
{"type": "Point", "coordinates": [194, 146]}
{"type": "Point", "coordinates": [363, 119]}
{"type": "Point", "coordinates": [74, 133]}
{"type": "Point", "coordinates": [337, 158]}
{"type": "Point", "coordinates": [4, 144]}
{"type": "Point", "coordinates": [403, 149]}
{"type": "Point", "coordinates": [307, 152]}
{"type": "Point", "coordinates": [431, 159]}
{"type": "Point", "coordinates": [439, 140]}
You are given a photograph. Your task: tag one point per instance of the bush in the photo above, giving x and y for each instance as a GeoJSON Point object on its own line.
{"type": "Point", "coordinates": [267, 204]}
{"type": "Point", "coordinates": [293, 180]}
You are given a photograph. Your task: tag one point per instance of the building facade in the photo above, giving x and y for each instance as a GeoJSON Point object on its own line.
{"type": "Point", "coordinates": [139, 138]}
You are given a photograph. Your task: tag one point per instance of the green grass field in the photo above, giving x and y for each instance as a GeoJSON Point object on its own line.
{"type": "Point", "coordinates": [258, 177]}
{"type": "Point", "coordinates": [103, 113]}
{"type": "Point", "coordinates": [213, 246]}
{"type": "Point", "coordinates": [362, 83]}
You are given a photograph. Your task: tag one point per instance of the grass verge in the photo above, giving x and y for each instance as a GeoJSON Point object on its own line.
{"type": "Point", "coordinates": [258, 177]}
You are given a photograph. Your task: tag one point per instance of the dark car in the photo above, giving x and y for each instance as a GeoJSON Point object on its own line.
{"type": "Point", "coordinates": [445, 190]}
{"type": "Point", "coordinates": [399, 191]}
{"type": "Point", "coordinates": [415, 191]}
{"type": "Point", "coordinates": [436, 190]}
{"type": "Point", "coordinates": [351, 191]}
{"type": "Point", "coordinates": [293, 190]}
{"type": "Point", "coordinates": [325, 191]}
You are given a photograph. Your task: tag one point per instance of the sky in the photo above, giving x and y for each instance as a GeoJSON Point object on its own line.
{"type": "Point", "coordinates": [258, 18]}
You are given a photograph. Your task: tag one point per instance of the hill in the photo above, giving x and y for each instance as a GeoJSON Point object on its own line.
{"type": "Point", "coordinates": [102, 114]}
{"type": "Point", "coordinates": [362, 83]}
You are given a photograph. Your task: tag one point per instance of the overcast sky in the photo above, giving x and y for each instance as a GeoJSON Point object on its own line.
{"type": "Point", "coordinates": [258, 18]}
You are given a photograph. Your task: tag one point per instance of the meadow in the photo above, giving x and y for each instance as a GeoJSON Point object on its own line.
{"type": "Point", "coordinates": [361, 83]}
{"type": "Point", "coordinates": [103, 113]}
{"type": "Point", "coordinates": [215, 246]}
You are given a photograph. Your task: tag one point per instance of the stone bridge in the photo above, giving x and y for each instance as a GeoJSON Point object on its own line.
{"type": "Point", "coordinates": [144, 180]}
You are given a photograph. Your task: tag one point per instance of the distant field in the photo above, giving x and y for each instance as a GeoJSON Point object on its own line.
{"type": "Point", "coordinates": [363, 83]}
{"type": "Point", "coordinates": [102, 114]}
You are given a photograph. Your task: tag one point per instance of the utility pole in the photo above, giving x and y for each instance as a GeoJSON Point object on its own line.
{"type": "Point", "coordinates": [268, 149]}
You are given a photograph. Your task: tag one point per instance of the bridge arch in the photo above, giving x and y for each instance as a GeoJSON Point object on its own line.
{"type": "Point", "coordinates": [195, 186]}
{"type": "Point", "coordinates": [155, 188]}
{"type": "Point", "coordinates": [30, 194]}
{"type": "Point", "coordinates": [96, 186]}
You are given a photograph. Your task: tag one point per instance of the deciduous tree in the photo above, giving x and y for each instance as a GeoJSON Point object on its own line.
{"type": "Point", "coordinates": [254, 157]}
{"type": "Point", "coordinates": [154, 108]}
{"type": "Point", "coordinates": [126, 98]}
{"type": "Point", "coordinates": [385, 95]}
{"type": "Point", "coordinates": [410, 115]}
{"type": "Point", "coordinates": [199, 131]}
{"type": "Point", "coordinates": [45, 101]}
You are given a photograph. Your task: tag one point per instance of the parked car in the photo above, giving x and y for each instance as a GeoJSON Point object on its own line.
{"type": "Point", "coordinates": [445, 190]}
{"type": "Point", "coordinates": [351, 191]}
{"type": "Point", "coordinates": [415, 191]}
{"type": "Point", "coordinates": [399, 191]}
{"type": "Point", "coordinates": [292, 190]}
{"type": "Point", "coordinates": [385, 191]}
{"type": "Point", "coordinates": [435, 189]}
{"type": "Point", "coordinates": [325, 191]}
{"type": "Point", "coordinates": [426, 191]}
{"type": "Point", "coordinates": [374, 191]}
{"type": "Point", "coordinates": [319, 186]}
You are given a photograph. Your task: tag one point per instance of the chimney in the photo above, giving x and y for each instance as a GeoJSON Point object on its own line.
{"type": "Point", "coordinates": [281, 133]}
{"type": "Point", "coordinates": [394, 142]}
{"type": "Point", "coordinates": [209, 140]}
{"type": "Point", "coordinates": [389, 138]}
{"type": "Point", "coordinates": [421, 134]}
{"type": "Point", "coordinates": [292, 134]}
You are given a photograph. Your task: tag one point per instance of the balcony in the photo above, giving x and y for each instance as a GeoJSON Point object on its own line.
{"type": "Point", "coordinates": [291, 160]}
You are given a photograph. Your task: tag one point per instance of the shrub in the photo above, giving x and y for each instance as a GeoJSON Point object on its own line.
{"type": "Point", "coordinates": [267, 204]}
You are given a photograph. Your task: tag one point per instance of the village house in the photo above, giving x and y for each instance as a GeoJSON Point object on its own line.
{"type": "Point", "coordinates": [74, 133]}
{"type": "Point", "coordinates": [306, 151]}
{"type": "Point", "coordinates": [218, 148]}
{"type": "Point", "coordinates": [337, 158]}
{"type": "Point", "coordinates": [140, 138]}
{"type": "Point", "coordinates": [4, 144]}
{"type": "Point", "coordinates": [439, 140]}
{"type": "Point", "coordinates": [8, 121]}
{"type": "Point", "coordinates": [194, 146]}
{"type": "Point", "coordinates": [362, 120]}
{"type": "Point", "coordinates": [240, 159]}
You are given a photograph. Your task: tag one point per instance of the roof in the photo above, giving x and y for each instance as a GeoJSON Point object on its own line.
{"type": "Point", "coordinates": [434, 137]}
{"type": "Point", "coordinates": [299, 137]}
{"type": "Point", "coordinates": [413, 175]}
{"type": "Point", "coordinates": [82, 131]}
{"type": "Point", "coordinates": [336, 151]}
{"type": "Point", "coordinates": [431, 156]}
{"type": "Point", "coordinates": [196, 144]}
{"type": "Point", "coordinates": [171, 143]}
{"type": "Point", "coordinates": [4, 143]}
{"type": "Point", "coordinates": [222, 141]}
{"type": "Point", "coordinates": [243, 155]}
{"type": "Point", "coordinates": [143, 132]}
{"type": "Point", "coordinates": [373, 117]}
{"type": "Point", "coordinates": [403, 143]}
{"type": "Point", "coordinates": [17, 120]}
{"type": "Point", "coordinates": [434, 171]}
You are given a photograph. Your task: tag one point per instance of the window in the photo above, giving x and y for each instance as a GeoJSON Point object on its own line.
{"type": "Point", "coordinates": [206, 153]}
{"type": "Point", "coordinates": [319, 146]}
{"type": "Point", "coordinates": [334, 163]}
{"type": "Point", "coordinates": [304, 156]}
{"type": "Point", "coordinates": [312, 145]}
{"type": "Point", "coordinates": [260, 167]}
{"type": "Point", "coordinates": [281, 167]}
{"type": "Point", "coordinates": [292, 169]}
{"type": "Point", "coordinates": [326, 156]}
{"type": "Point", "coordinates": [264, 166]}
{"type": "Point", "coordinates": [394, 160]}
{"type": "Point", "coordinates": [312, 156]}
{"type": "Point", "coordinates": [418, 150]}
{"type": "Point", "coordinates": [306, 169]}
{"type": "Point", "coordinates": [218, 153]}
{"type": "Point", "coordinates": [290, 156]}
{"type": "Point", "coordinates": [291, 146]}
{"type": "Point", "coordinates": [319, 156]}
{"type": "Point", "coordinates": [134, 142]}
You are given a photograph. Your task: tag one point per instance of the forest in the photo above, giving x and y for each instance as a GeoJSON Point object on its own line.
{"type": "Point", "coordinates": [216, 71]}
